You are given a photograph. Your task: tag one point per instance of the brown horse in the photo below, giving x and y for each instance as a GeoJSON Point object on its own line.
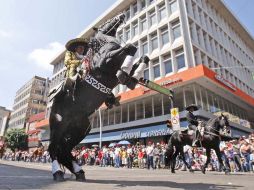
{"type": "Point", "coordinates": [37, 153]}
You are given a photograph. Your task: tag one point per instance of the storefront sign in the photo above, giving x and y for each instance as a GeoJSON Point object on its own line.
{"type": "Point", "coordinates": [170, 81]}
{"type": "Point", "coordinates": [225, 82]}
{"type": "Point", "coordinates": [160, 132]}
{"type": "Point", "coordinates": [175, 119]}
{"type": "Point", "coordinates": [131, 135]}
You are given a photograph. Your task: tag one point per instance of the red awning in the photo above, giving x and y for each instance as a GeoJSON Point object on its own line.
{"type": "Point", "coordinates": [33, 131]}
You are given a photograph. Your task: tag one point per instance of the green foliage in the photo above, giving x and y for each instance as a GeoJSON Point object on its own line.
{"type": "Point", "coordinates": [16, 139]}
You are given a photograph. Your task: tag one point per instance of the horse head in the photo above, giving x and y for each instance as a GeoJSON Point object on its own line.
{"type": "Point", "coordinates": [110, 26]}
{"type": "Point", "coordinates": [223, 122]}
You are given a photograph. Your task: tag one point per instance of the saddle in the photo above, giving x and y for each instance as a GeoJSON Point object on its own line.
{"type": "Point", "coordinates": [57, 91]}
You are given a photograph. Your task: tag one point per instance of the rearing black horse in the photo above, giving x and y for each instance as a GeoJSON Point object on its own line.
{"type": "Point", "coordinates": [69, 122]}
{"type": "Point", "coordinates": [210, 140]}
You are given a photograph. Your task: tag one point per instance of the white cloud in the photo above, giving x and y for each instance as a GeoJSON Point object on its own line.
{"type": "Point", "coordinates": [42, 56]}
{"type": "Point", "coordinates": [5, 34]}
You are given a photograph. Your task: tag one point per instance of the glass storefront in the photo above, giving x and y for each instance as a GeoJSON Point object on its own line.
{"type": "Point", "coordinates": [158, 105]}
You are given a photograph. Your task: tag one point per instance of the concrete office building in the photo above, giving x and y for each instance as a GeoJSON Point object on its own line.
{"type": "Point", "coordinates": [198, 48]}
{"type": "Point", "coordinates": [30, 99]}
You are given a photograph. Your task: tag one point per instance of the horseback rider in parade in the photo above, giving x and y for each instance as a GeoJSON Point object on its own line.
{"type": "Point", "coordinates": [76, 48]}
{"type": "Point", "coordinates": [74, 58]}
{"type": "Point", "coordinates": [193, 122]}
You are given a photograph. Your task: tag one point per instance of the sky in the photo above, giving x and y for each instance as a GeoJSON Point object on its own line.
{"type": "Point", "coordinates": [32, 32]}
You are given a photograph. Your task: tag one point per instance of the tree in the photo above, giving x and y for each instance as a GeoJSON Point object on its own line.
{"type": "Point", "coordinates": [16, 139]}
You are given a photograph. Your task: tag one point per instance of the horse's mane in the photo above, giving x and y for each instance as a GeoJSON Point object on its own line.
{"type": "Point", "coordinates": [212, 121]}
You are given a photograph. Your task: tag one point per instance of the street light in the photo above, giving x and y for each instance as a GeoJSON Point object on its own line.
{"type": "Point", "coordinates": [100, 127]}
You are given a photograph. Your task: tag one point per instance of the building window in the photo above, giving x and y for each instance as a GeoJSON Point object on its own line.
{"type": "Point", "coordinates": [176, 29]}
{"type": "Point", "coordinates": [152, 18]}
{"type": "Point", "coordinates": [164, 36]}
{"type": "Point", "coordinates": [162, 12]}
{"type": "Point", "coordinates": [135, 29]}
{"type": "Point", "coordinates": [167, 64]}
{"type": "Point", "coordinates": [105, 118]}
{"type": "Point", "coordinates": [173, 7]}
{"type": "Point", "coordinates": [156, 68]}
{"type": "Point", "coordinates": [132, 111]}
{"type": "Point", "coordinates": [143, 4]}
{"type": "Point", "coordinates": [180, 59]}
{"type": "Point", "coordinates": [146, 72]}
{"type": "Point", "coordinates": [144, 47]}
{"type": "Point", "coordinates": [157, 102]}
{"type": "Point", "coordinates": [148, 107]}
{"type": "Point", "coordinates": [127, 14]}
{"type": "Point", "coordinates": [137, 52]}
{"type": "Point", "coordinates": [135, 9]}
{"type": "Point", "coordinates": [124, 113]}
{"type": "Point", "coordinates": [151, 2]}
{"type": "Point", "coordinates": [120, 38]}
{"type": "Point", "coordinates": [154, 41]}
{"type": "Point", "coordinates": [128, 34]}
{"type": "Point", "coordinates": [139, 110]}
{"type": "Point", "coordinates": [143, 24]}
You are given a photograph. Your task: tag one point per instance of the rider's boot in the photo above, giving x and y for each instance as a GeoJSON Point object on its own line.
{"type": "Point", "coordinates": [70, 83]}
{"type": "Point", "coordinates": [123, 74]}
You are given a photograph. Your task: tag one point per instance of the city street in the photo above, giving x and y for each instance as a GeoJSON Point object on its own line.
{"type": "Point", "coordinates": [14, 175]}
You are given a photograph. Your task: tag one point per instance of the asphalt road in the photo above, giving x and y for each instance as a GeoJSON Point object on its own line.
{"type": "Point", "coordinates": [20, 175]}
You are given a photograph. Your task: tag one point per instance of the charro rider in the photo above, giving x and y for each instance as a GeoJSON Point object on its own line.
{"type": "Point", "coordinates": [76, 48]}
{"type": "Point", "coordinates": [193, 122]}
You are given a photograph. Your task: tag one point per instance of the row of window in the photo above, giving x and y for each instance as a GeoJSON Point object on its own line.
{"type": "Point", "coordinates": [57, 79]}
{"type": "Point", "coordinates": [216, 26]}
{"type": "Point", "coordinates": [21, 104]}
{"type": "Point", "coordinates": [217, 50]}
{"type": "Point", "coordinates": [169, 31]}
{"type": "Point", "coordinates": [16, 123]}
{"type": "Point", "coordinates": [158, 105]}
{"type": "Point", "coordinates": [21, 96]}
{"type": "Point", "coordinates": [140, 5]}
{"type": "Point", "coordinates": [19, 113]}
{"type": "Point", "coordinates": [157, 69]}
{"type": "Point", "coordinates": [231, 75]}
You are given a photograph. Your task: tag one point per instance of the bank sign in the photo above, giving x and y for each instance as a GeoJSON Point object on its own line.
{"type": "Point", "coordinates": [142, 134]}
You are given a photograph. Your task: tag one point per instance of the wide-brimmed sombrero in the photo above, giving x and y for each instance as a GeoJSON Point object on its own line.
{"type": "Point", "coordinates": [195, 107]}
{"type": "Point", "coordinates": [72, 44]}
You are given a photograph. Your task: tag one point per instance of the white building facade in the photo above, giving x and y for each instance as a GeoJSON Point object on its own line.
{"type": "Point", "coordinates": [30, 99]}
{"type": "Point", "coordinates": [198, 48]}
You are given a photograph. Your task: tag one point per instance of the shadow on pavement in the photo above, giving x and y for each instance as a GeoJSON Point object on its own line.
{"type": "Point", "coordinates": [170, 184]}
{"type": "Point", "coordinates": [14, 177]}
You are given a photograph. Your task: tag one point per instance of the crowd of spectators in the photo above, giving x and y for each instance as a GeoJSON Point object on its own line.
{"type": "Point", "coordinates": [238, 155]}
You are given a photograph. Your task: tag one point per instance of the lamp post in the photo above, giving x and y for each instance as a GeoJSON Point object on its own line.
{"type": "Point", "coordinates": [100, 127]}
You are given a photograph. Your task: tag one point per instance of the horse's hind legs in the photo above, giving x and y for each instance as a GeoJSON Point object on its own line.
{"type": "Point", "coordinates": [78, 172]}
{"type": "Point", "coordinates": [58, 174]}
